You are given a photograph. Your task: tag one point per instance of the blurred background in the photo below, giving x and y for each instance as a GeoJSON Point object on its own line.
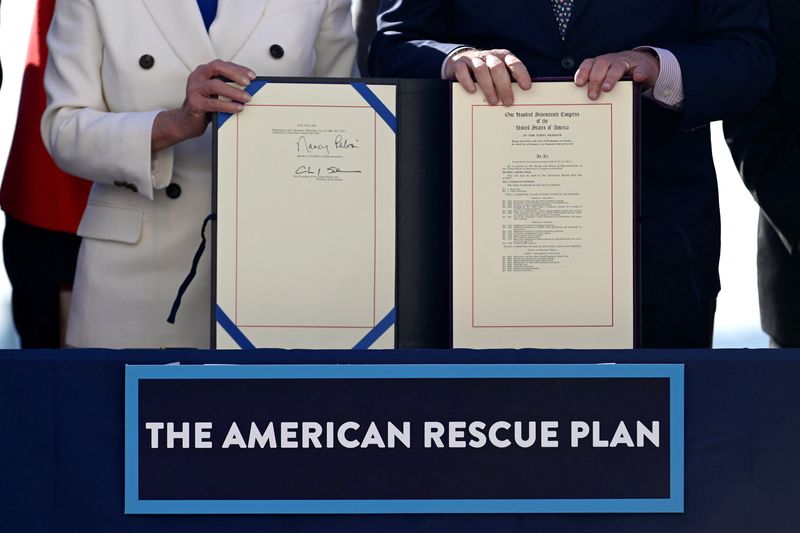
{"type": "Point", "coordinates": [737, 322]}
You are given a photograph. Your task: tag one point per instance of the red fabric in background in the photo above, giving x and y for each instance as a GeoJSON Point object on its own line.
{"type": "Point", "coordinates": [34, 190]}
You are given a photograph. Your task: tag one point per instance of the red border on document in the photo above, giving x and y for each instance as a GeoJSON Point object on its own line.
{"type": "Point", "coordinates": [374, 226]}
{"type": "Point", "coordinates": [472, 213]}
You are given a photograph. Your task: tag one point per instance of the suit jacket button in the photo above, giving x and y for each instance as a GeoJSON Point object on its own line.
{"type": "Point", "coordinates": [147, 61]}
{"type": "Point", "coordinates": [568, 63]}
{"type": "Point", "coordinates": [173, 190]}
{"type": "Point", "coordinates": [276, 51]}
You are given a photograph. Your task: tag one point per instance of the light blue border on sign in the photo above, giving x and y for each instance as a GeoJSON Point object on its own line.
{"type": "Point", "coordinates": [673, 504]}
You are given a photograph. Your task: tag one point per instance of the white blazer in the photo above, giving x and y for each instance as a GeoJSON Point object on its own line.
{"type": "Point", "coordinates": [114, 64]}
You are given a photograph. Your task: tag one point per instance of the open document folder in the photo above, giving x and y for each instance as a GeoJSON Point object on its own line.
{"type": "Point", "coordinates": [305, 200]}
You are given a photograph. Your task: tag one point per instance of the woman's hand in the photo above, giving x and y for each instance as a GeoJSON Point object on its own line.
{"type": "Point", "coordinates": [203, 89]}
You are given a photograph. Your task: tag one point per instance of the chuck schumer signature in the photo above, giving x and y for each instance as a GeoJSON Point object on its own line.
{"type": "Point", "coordinates": [306, 170]}
{"type": "Point", "coordinates": [339, 143]}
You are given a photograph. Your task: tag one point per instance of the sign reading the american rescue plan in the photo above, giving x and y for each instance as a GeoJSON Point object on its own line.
{"type": "Point", "coordinates": [404, 439]}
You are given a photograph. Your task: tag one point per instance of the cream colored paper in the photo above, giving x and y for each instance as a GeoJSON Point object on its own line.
{"type": "Point", "coordinates": [306, 211]}
{"type": "Point", "coordinates": [543, 219]}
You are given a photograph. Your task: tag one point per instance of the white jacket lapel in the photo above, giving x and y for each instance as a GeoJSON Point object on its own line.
{"type": "Point", "coordinates": [182, 25]}
{"type": "Point", "coordinates": [235, 22]}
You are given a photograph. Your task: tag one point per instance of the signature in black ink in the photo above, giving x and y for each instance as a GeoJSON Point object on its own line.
{"type": "Point", "coordinates": [305, 170]}
{"type": "Point", "coordinates": [337, 170]}
{"type": "Point", "coordinates": [339, 143]}
{"type": "Point", "coordinates": [310, 148]}
{"type": "Point", "coordinates": [344, 144]}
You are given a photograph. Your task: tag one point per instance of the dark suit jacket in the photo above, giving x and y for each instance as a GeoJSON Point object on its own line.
{"type": "Point", "coordinates": [766, 145]}
{"type": "Point", "coordinates": [727, 64]}
{"type": "Point", "coordinates": [364, 14]}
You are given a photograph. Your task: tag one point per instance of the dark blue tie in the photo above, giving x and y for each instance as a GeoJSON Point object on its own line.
{"type": "Point", "coordinates": [208, 8]}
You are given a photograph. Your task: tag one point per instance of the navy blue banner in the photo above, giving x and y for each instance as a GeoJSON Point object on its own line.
{"type": "Point", "coordinates": [404, 439]}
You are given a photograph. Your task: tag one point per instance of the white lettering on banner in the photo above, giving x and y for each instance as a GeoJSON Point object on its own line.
{"type": "Point", "coordinates": [388, 435]}
{"type": "Point", "coordinates": [342, 434]}
{"type": "Point", "coordinates": [234, 438]}
{"type": "Point", "coordinates": [288, 434]}
{"type": "Point", "coordinates": [521, 441]}
{"type": "Point", "coordinates": [262, 439]}
{"type": "Point", "coordinates": [478, 439]}
{"type": "Point", "coordinates": [311, 433]}
{"type": "Point", "coordinates": [173, 435]}
{"type": "Point", "coordinates": [329, 432]}
{"type": "Point", "coordinates": [579, 431]}
{"type": "Point", "coordinates": [153, 428]}
{"type": "Point", "coordinates": [433, 433]}
{"type": "Point", "coordinates": [456, 437]}
{"type": "Point", "coordinates": [497, 442]}
{"type": "Point", "coordinates": [396, 434]}
{"type": "Point", "coordinates": [597, 442]}
{"type": "Point", "coordinates": [549, 434]}
{"type": "Point", "coordinates": [652, 434]}
{"type": "Point", "coordinates": [202, 435]}
{"type": "Point", "coordinates": [373, 437]}
{"type": "Point", "coordinates": [621, 436]}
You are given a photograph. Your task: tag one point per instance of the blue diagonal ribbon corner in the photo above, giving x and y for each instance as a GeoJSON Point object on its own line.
{"type": "Point", "coordinates": [376, 103]}
{"type": "Point", "coordinates": [251, 89]}
{"type": "Point", "coordinates": [231, 329]}
{"type": "Point", "coordinates": [375, 333]}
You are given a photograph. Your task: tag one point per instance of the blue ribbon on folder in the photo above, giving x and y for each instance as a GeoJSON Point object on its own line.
{"type": "Point", "coordinates": [231, 329]}
{"type": "Point", "coordinates": [376, 332]}
{"type": "Point", "coordinates": [360, 87]}
{"type": "Point", "coordinates": [192, 271]}
{"type": "Point", "coordinates": [251, 89]}
{"type": "Point", "coordinates": [364, 344]}
{"type": "Point", "coordinates": [376, 104]}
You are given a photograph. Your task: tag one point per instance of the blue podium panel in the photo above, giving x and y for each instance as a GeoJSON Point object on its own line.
{"type": "Point", "coordinates": [62, 444]}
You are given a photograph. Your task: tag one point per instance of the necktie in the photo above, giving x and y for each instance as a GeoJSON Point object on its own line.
{"type": "Point", "coordinates": [208, 8]}
{"type": "Point", "coordinates": [562, 10]}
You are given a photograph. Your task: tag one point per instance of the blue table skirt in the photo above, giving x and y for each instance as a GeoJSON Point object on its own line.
{"type": "Point", "coordinates": [61, 444]}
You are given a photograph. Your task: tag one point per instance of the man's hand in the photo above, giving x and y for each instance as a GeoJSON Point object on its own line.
{"type": "Point", "coordinates": [493, 70]}
{"type": "Point", "coordinates": [603, 72]}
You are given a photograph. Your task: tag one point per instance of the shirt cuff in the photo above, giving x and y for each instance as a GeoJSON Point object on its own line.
{"type": "Point", "coordinates": [161, 167]}
{"type": "Point", "coordinates": [668, 90]}
{"type": "Point", "coordinates": [449, 56]}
